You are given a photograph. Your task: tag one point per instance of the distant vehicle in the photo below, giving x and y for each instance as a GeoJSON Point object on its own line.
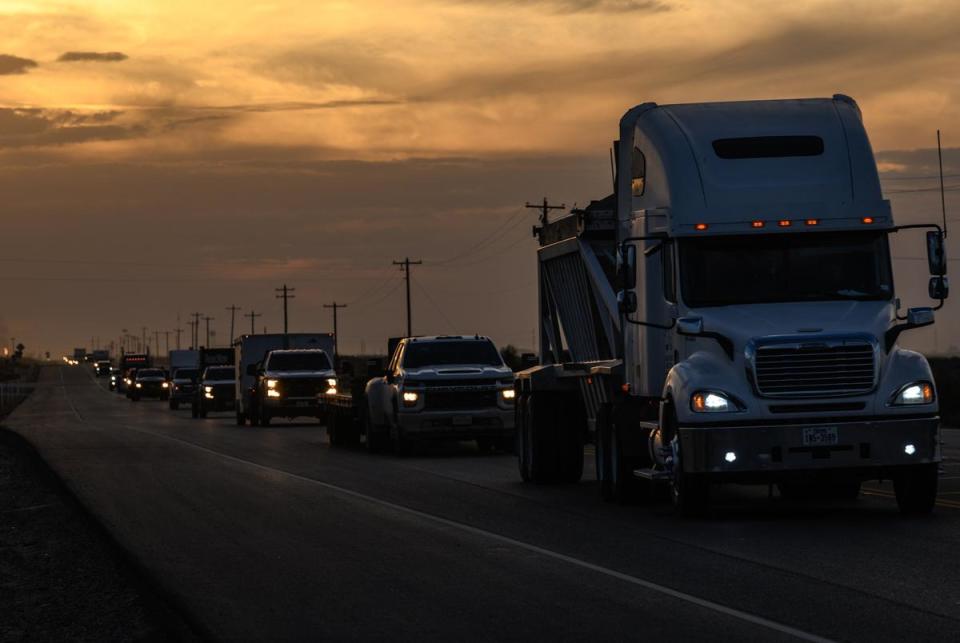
{"type": "Point", "coordinates": [290, 382]}
{"type": "Point", "coordinates": [183, 386]}
{"type": "Point", "coordinates": [729, 315]}
{"type": "Point", "coordinates": [149, 382]}
{"type": "Point", "coordinates": [250, 353]}
{"type": "Point", "coordinates": [127, 365]}
{"type": "Point", "coordinates": [100, 355]}
{"type": "Point", "coordinates": [79, 354]}
{"type": "Point", "coordinates": [115, 376]}
{"type": "Point", "coordinates": [442, 387]}
{"type": "Point", "coordinates": [101, 368]}
{"type": "Point", "coordinates": [215, 391]}
{"type": "Point", "coordinates": [185, 358]}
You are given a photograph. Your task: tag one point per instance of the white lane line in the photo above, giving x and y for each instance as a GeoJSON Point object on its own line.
{"type": "Point", "coordinates": [606, 571]}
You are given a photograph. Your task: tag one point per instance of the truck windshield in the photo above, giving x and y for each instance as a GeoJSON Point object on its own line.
{"type": "Point", "coordinates": [150, 372]}
{"type": "Point", "coordinates": [312, 361]}
{"type": "Point", "coordinates": [219, 373]}
{"type": "Point", "coordinates": [450, 353]}
{"type": "Point", "coordinates": [720, 271]}
{"type": "Point", "coordinates": [185, 373]}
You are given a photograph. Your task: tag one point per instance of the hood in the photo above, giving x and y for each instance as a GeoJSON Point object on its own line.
{"type": "Point", "coordinates": [466, 371]}
{"type": "Point", "coordinates": [802, 319]}
{"type": "Point", "coordinates": [299, 375]}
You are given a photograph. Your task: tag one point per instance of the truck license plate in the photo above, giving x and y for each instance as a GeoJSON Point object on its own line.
{"type": "Point", "coordinates": [462, 420]}
{"type": "Point", "coordinates": [820, 436]}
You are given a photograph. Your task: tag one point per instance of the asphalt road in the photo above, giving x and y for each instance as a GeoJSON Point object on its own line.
{"type": "Point", "coordinates": [269, 534]}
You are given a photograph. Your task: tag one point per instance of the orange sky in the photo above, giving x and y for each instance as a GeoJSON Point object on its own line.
{"type": "Point", "coordinates": [210, 149]}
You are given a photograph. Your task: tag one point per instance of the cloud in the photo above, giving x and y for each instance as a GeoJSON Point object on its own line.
{"type": "Point", "coordinates": [44, 127]}
{"type": "Point", "coordinates": [10, 65]}
{"type": "Point", "coordinates": [587, 6]}
{"type": "Point", "coordinates": [92, 56]}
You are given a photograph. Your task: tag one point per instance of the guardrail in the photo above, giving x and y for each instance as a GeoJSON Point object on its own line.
{"type": "Point", "coordinates": [12, 393]}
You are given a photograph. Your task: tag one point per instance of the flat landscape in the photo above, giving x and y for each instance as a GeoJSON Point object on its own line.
{"type": "Point", "coordinates": [268, 533]}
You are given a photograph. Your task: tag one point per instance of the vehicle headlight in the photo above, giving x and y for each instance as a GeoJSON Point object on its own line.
{"type": "Point", "coordinates": [273, 393]}
{"type": "Point", "coordinates": [165, 385]}
{"type": "Point", "coordinates": [410, 398]}
{"type": "Point", "coordinates": [914, 393]}
{"type": "Point", "coordinates": [208, 389]}
{"type": "Point", "coordinates": [139, 385]}
{"type": "Point", "coordinates": [712, 402]}
{"type": "Point", "coordinates": [272, 383]}
{"type": "Point", "coordinates": [508, 394]}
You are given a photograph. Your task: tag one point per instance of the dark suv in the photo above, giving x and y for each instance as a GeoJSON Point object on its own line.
{"type": "Point", "coordinates": [217, 391]}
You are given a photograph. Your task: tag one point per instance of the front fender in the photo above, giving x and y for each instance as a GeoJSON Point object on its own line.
{"type": "Point", "coordinates": [704, 370]}
{"type": "Point", "coordinates": [903, 367]}
{"type": "Point", "coordinates": [379, 395]}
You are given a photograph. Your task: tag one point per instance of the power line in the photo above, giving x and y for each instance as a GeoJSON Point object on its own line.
{"type": "Point", "coordinates": [508, 224]}
{"type": "Point", "coordinates": [406, 263]}
{"type": "Point", "coordinates": [284, 294]}
{"type": "Point", "coordinates": [450, 324]}
{"type": "Point", "coordinates": [233, 308]}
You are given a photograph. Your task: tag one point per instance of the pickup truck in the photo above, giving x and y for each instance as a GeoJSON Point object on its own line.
{"type": "Point", "coordinates": [215, 391]}
{"type": "Point", "coordinates": [439, 387]}
{"type": "Point", "coordinates": [183, 386]}
{"type": "Point", "coordinates": [149, 382]}
{"type": "Point", "coordinates": [290, 382]}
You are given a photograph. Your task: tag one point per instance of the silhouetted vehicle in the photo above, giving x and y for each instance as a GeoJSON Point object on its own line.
{"type": "Point", "coordinates": [215, 392]}
{"type": "Point", "coordinates": [149, 382]}
{"type": "Point", "coordinates": [183, 386]}
{"type": "Point", "coordinates": [290, 382]}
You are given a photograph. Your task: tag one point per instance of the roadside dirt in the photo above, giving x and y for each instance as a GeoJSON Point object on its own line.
{"type": "Point", "coordinates": [61, 578]}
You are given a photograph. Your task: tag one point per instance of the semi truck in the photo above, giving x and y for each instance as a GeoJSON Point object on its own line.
{"type": "Point", "coordinates": [438, 387]}
{"type": "Point", "coordinates": [250, 352]}
{"type": "Point", "coordinates": [128, 365]}
{"type": "Point", "coordinates": [729, 315]}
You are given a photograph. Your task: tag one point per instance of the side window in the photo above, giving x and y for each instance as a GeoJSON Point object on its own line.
{"type": "Point", "coordinates": [669, 273]}
{"type": "Point", "coordinates": [638, 172]}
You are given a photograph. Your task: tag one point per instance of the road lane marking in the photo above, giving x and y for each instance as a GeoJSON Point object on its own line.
{"type": "Point", "coordinates": [549, 553]}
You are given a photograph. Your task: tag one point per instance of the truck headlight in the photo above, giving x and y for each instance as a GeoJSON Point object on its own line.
{"type": "Point", "coordinates": [165, 385]}
{"type": "Point", "coordinates": [208, 389]}
{"type": "Point", "coordinates": [712, 402]}
{"type": "Point", "coordinates": [508, 394]}
{"type": "Point", "coordinates": [331, 386]}
{"type": "Point", "coordinates": [410, 398]}
{"type": "Point", "coordinates": [139, 385]}
{"type": "Point", "coordinates": [914, 393]}
{"type": "Point", "coordinates": [272, 383]}
{"type": "Point", "coordinates": [273, 393]}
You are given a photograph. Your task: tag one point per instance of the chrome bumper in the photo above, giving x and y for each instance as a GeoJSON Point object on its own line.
{"type": "Point", "coordinates": [866, 444]}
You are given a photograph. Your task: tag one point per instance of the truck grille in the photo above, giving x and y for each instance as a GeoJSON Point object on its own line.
{"type": "Point", "coordinates": [458, 400]}
{"type": "Point", "coordinates": [302, 387]}
{"type": "Point", "coordinates": [833, 368]}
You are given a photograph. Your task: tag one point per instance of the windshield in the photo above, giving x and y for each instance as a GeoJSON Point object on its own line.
{"type": "Point", "coordinates": [150, 372]}
{"type": "Point", "coordinates": [720, 271]}
{"type": "Point", "coordinates": [305, 361]}
{"type": "Point", "coordinates": [185, 373]}
{"type": "Point", "coordinates": [219, 373]}
{"type": "Point", "coordinates": [451, 353]}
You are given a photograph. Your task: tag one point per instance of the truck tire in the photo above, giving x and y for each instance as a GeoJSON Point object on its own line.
{"type": "Point", "coordinates": [264, 417]}
{"type": "Point", "coordinates": [690, 493]}
{"type": "Point", "coordinates": [551, 439]}
{"type": "Point", "coordinates": [377, 438]}
{"type": "Point", "coordinates": [402, 445]}
{"type": "Point", "coordinates": [174, 405]}
{"type": "Point", "coordinates": [916, 489]}
{"type": "Point", "coordinates": [241, 418]}
{"type": "Point", "coordinates": [203, 410]}
{"type": "Point", "coordinates": [194, 410]}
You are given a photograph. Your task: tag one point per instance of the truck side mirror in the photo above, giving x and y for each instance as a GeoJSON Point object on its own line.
{"type": "Point", "coordinates": [628, 266]}
{"type": "Point", "coordinates": [690, 326]}
{"type": "Point", "coordinates": [627, 302]}
{"type": "Point", "coordinates": [936, 254]}
{"type": "Point", "coordinates": [920, 316]}
{"type": "Point", "coordinates": [939, 288]}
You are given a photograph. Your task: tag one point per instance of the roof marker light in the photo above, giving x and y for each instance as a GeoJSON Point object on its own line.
{"type": "Point", "coordinates": [813, 221]}
{"type": "Point", "coordinates": [757, 224]}
{"type": "Point", "coordinates": [784, 223]}
{"type": "Point", "coordinates": [700, 227]}
{"type": "Point", "coordinates": [867, 220]}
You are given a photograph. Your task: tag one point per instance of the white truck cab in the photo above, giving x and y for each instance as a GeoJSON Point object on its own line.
{"type": "Point", "coordinates": [748, 329]}
{"type": "Point", "coordinates": [443, 387]}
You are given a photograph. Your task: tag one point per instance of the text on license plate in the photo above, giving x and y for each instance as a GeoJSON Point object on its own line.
{"type": "Point", "coordinates": [820, 436]}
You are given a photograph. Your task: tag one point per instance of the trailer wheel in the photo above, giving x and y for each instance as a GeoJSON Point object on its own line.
{"type": "Point", "coordinates": [194, 411]}
{"type": "Point", "coordinates": [916, 489]}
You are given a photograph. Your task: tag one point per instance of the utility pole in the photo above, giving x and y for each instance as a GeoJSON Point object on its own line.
{"type": "Point", "coordinates": [253, 319]}
{"type": "Point", "coordinates": [406, 263]}
{"type": "Point", "coordinates": [143, 335]}
{"type": "Point", "coordinates": [336, 336]}
{"type": "Point", "coordinates": [178, 331]}
{"type": "Point", "coordinates": [208, 320]}
{"type": "Point", "coordinates": [233, 313]}
{"type": "Point", "coordinates": [284, 294]}
{"type": "Point", "coordinates": [196, 329]}
{"type": "Point", "coordinates": [544, 208]}
{"type": "Point", "coordinates": [166, 335]}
